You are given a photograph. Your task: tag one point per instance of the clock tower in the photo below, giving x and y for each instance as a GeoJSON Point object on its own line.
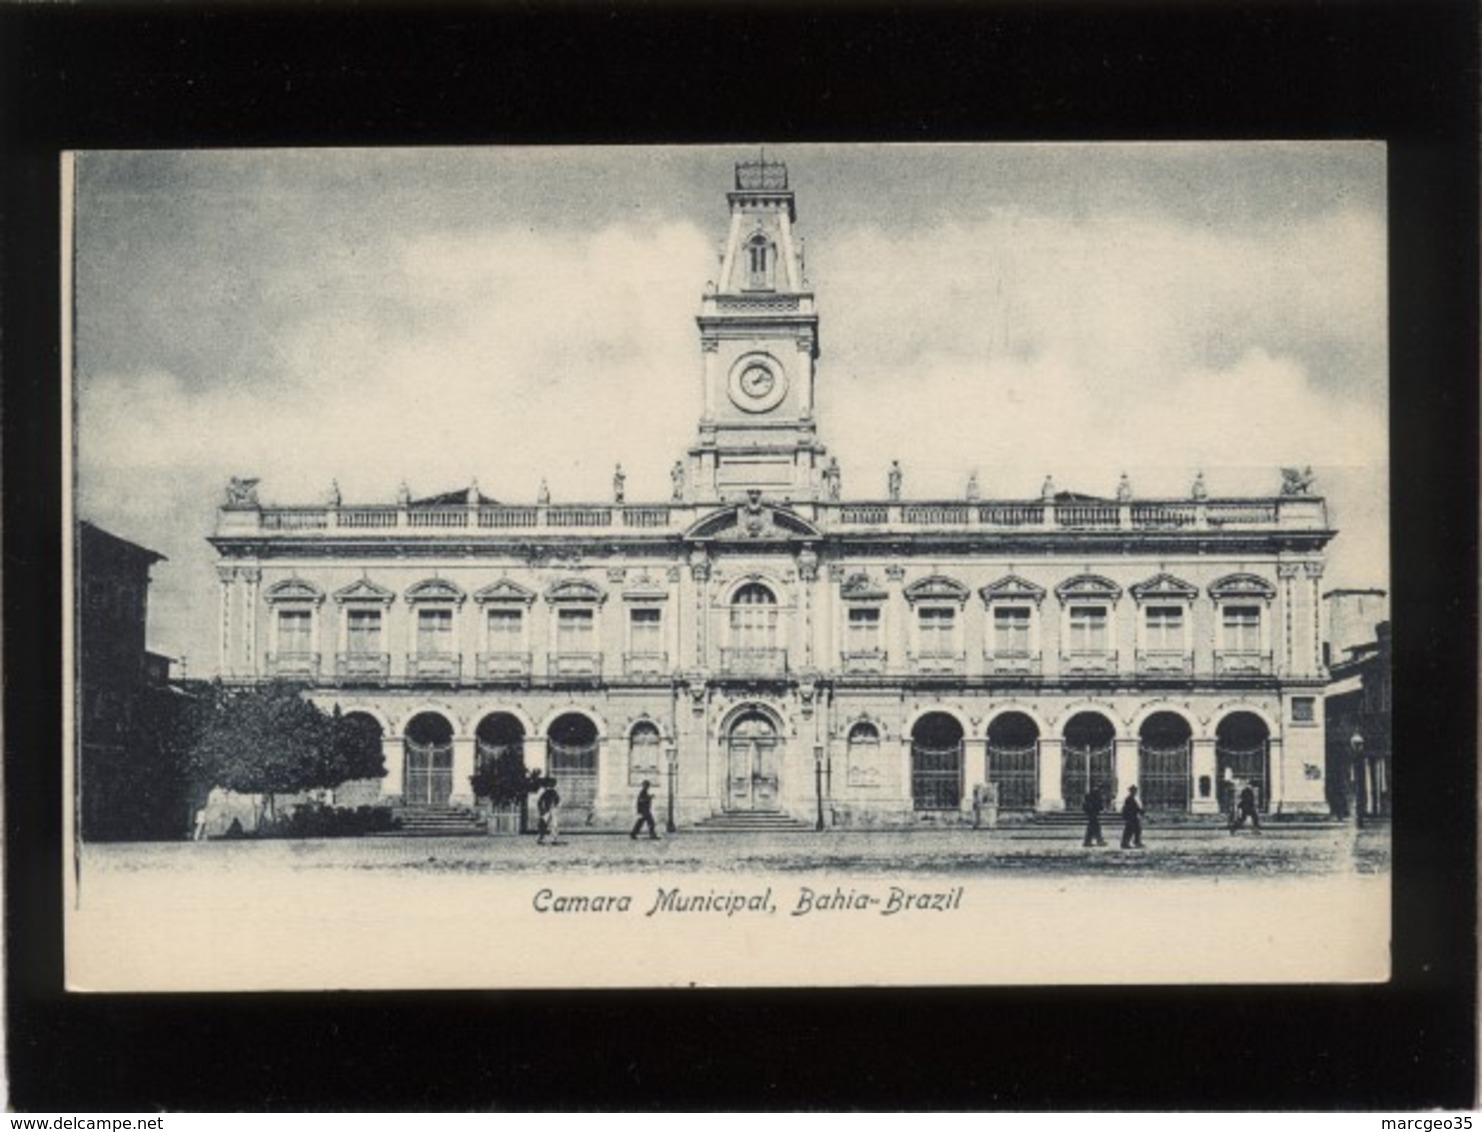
{"type": "Point", "coordinates": [759, 344]}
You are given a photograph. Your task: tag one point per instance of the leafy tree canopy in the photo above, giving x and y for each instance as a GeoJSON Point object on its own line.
{"type": "Point", "coordinates": [268, 739]}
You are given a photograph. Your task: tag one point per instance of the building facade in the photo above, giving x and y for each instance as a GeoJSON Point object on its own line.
{"type": "Point", "coordinates": [761, 643]}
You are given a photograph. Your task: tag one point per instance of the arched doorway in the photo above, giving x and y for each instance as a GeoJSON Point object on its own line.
{"type": "Point", "coordinates": [571, 745]}
{"type": "Point", "coordinates": [1164, 773]}
{"type": "Point", "coordinates": [936, 762]}
{"type": "Point", "coordinates": [499, 736]}
{"type": "Point", "coordinates": [1089, 759]}
{"type": "Point", "coordinates": [1013, 760]}
{"type": "Point", "coordinates": [753, 755]}
{"type": "Point", "coordinates": [1242, 745]}
{"type": "Point", "coordinates": [428, 762]}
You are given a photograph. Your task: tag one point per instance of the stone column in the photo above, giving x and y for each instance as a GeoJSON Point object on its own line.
{"type": "Point", "coordinates": [224, 575]}
{"type": "Point", "coordinates": [1051, 757]}
{"type": "Point", "coordinates": [700, 573]}
{"type": "Point", "coordinates": [807, 578]}
{"type": "Point", "coordinates": [1203, 765]}
{"type": "Point", "coordinates": [1127, 766]}
{"type": "Point", "coordinates": [394, 752]}
{"type": "Point", "coordinates": [899, 615]}
{"type": "Point", "coordinates": [463, 751]}
{"type": "Point", "coordinates": [1314, 572]}
{"type": "Point", "coordinates": [254, 657]}
{"type": "Point", "coordinates": [1287, 572]}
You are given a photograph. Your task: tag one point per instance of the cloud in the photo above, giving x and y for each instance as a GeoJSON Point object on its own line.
{"type": "Point", "coordinates": [1018, 345]}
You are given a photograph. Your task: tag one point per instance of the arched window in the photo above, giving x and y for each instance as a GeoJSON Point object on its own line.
{"type": "Point", "coordinates": [754, 618]}
{"type": "Point", "coordinates": [759, 261]}
{"type": "Point", "coordinates": [864, 755]}
{"type": "Point", "coordinates": [644, 749]}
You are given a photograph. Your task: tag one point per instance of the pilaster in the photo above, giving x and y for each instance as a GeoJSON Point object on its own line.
{"type": "Point", "coordinates": [1127, 764]}
{"type": "Point", "coordinates": [463, 757]}
{"type": "Point", "coordinates": [1203, 759]}
{"type": "Point", "coordinates": [1051, 758]}
{"type": "Point", "coordinates": [393, 751]}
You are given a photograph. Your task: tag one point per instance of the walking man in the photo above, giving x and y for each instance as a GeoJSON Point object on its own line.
{"type": "Point", "coordinates": [1132, 820]}
{"type": "Point", "coordinates": [1245, 808]}
{"type": "Point", "coordinates": [548, 806]}
{"type": "Point", "coordinates": [645, 813]}
{"type": "Point", "coordinates": [1092, 805]}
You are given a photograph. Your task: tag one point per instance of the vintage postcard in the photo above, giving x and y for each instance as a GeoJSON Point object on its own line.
{"type": "Point", "coordinates": [805, 565]}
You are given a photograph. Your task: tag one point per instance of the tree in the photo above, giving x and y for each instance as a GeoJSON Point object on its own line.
{"type": "Point", "coordinates": [505, 779]}
{"type": "Point", "coordinates": [268, 739]}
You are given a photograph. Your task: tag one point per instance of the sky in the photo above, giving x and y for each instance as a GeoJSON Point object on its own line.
{"type": "Point", "coordinates": [513, 314]}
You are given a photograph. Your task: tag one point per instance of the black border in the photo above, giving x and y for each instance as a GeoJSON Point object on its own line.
{"type": "Point", "coordinates": [136, 76]}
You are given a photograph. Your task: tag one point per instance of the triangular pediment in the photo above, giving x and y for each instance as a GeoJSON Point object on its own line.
{"type": "Point", "coordinates": [364, 589]}
{"type": "Point", "coordinates": [505, 590]}
{"type": "Point", "coordinates": [937, 587]}
{"type": "Point", "coordinates": [434, 589]}
{"type": "Point", "coordinates": [1242, 585]}
{"type": "Point", "coordinates": [859, 587]}
{"type": "Point", "coordinates": [575, 590]}
{"type": "Point", "coordinates": [1011, 587]}
{"type": "Point", "coordinates": [293, 589]}
{"type": "Point", "coordinates": [1165, 586]}
{"type": "Point", "coordinates": [753, 521]}
{"type": "Point", "coordinates": [1088, 586]}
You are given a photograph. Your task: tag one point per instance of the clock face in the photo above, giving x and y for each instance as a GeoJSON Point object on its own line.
{"type": "Point", "coordinates": [757, 381]}
{"type": "Point", "coordinates": [757, 385]}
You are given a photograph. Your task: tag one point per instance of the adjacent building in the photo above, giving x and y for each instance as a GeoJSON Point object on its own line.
{"type": "Point", "coordinates": [1359, 703]}
{"type": "Point", "coordinates": [115, 678]}
{"type": "Point", "coordinates": [764, 643]}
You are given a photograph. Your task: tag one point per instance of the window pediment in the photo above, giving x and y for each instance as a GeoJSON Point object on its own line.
{"type": "Point", "coordinates": [293, 589]}
{"type": "Point", "coordinates": [859, 587]}
{"type": "Point", "coordinates": [575, 591]}
{"type": "Point", "coordinates": [937, 587]}
{"type": "Point", "coordinates": [1091, 586]}
{"type": "Point", "coordinates": [434, 589]}
{"type": "Point", "coordinates": [504, 590]}
{"type": "Point", "coordinates": [1241, 585]}
{"type": "Point", "coordinates": [645, 589]}
{"type": "Point", "coordinates": [1165, 587]}
{"type": "Point", "coordinates": [364, 590]}
{"type": "Point", "coordinates": [753, 521]}
{"type": "Point", "coordinates": [1011, 587]}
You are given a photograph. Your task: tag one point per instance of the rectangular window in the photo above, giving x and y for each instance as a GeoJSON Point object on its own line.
{"type": "Point", "coordinates": [1242, 628]}
{"type": "Point", "coordinates": [363, 631]}
{"type": "Point", "coordinates": [863, 632]}
{"type": "Point", "coordinates": [295, 628]}
{"type": "Point", "coordinates": [647, 629]}
{"type": "Point", "coordinates": [574, 631]}
{"type": "Point", "coordinates": [434, 632]}
{"type": "Point", "coordinates": [1088, 629]}
{"type": "Point", "coordinates": [506, 635]}
{"type": "Point", "coordinates": [936, 625]}
{"type": "Point", "coordinates": [1011, 631]}
{"type": "Point", "coordinates": [1165, 628]}
{"type": "Point", "coordinates": [1304, 709]}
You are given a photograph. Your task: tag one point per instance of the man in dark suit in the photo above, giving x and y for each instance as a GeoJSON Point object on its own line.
{"type": "Point", "coordinates": [1132, 820]}
{"type": "Point", "coordinates": [1092, 806]}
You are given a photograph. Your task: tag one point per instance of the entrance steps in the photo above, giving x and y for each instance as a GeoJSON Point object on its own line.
{"type": "Point", "coordinates": [753, 821]}
{"type": "Point", "coordinates": [438, 821]}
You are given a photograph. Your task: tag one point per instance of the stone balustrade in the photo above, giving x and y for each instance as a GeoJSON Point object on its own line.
{"type": "Point", "coordinates": [491, 520]}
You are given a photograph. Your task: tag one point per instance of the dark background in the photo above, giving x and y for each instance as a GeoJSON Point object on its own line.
{"type": "Point", "coordinates": [141, 76]}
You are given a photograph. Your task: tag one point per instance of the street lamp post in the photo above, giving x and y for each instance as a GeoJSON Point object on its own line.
{"type": "Point", "coordinates": [818, 784]}
{"type": "Point", "coordinates": [1359, 793]}
{"type": "Point", "coordinates": [673, 768]}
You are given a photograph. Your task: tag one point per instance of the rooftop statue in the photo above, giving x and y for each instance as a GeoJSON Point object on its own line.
{"type": "Point", "coordinates": [1294, 482]}
{"type": "Point", "coordinates": [241, 492]}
